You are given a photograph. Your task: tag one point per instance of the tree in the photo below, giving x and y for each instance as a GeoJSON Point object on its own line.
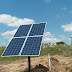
{"type": "Point", "coordinates": [60, 43]}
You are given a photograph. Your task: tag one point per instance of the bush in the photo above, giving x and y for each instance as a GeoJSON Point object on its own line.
{"type": "Point", "coordinates": [60, 43]}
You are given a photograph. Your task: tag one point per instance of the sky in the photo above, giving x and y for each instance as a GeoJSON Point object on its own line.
{"type": "Point", "coordinates": [57, 14]}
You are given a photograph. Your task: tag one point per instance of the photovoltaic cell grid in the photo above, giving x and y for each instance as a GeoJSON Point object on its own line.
{"type": "Point", "coordinates": [37, 29]}
{"type": "Point", "coordinates": [14, 47]}
{"type": "Point", "coordinates": [22, 31]}
{"type": "Point", "coordinates": [32, 45]}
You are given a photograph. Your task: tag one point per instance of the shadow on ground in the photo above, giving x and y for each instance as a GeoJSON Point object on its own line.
{"type": "Point", "coordinates": [38, 68]}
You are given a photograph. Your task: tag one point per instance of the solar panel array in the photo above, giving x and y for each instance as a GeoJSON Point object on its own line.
{"type": "Point", "coordinates": [26, 41]}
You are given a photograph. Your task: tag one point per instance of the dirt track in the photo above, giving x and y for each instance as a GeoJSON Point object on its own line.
{"type": "Point", "coordinates": [58, 64]}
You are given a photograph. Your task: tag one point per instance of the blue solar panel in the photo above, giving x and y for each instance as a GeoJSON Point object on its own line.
{"type": "Point", "coordinates": [28, 45]}
{"type": "Point", "coordinates": [22, 31]}
{"type": "Point", "coordinates": [37, 29]}
{"type": "Point", "coordinates": [14, 47]}
{"type": "Point", "coordinates": [32, 46]}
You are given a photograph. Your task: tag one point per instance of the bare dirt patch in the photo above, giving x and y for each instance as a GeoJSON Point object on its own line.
{"type": "Point", "coordinates": [58, 64]}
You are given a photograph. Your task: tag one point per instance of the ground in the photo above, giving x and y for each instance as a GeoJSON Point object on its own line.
{"type": "Point", "coordinates": [58, 64]}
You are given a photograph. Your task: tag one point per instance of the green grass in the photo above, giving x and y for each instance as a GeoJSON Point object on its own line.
{"type": "Point", "coordinates": [57, 50]}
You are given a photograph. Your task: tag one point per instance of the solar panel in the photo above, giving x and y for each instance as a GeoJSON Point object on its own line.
{"type": "Point", "coordinates": [37, 29]}
{"type": "Point", "coordinates": [22, 31]}
{"type": "Point", "coordinates": [14, 47]}
{"type": "Point", "coordinates": [26, 41]}
{"type": "Point", "coordinates": [32, 46]}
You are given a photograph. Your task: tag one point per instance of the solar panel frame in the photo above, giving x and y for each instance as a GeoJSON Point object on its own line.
{"type": "Point", "coordinates": [24, 37]}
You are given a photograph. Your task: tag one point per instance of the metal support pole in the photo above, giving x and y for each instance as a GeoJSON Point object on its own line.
{"type": "Point", "coordinates": [29, 63]}
{"type": "Point", "coordinates": [49, 64]}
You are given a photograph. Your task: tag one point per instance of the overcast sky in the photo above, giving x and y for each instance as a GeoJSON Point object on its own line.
{"type": "Point", "coordinates": [57, 14]}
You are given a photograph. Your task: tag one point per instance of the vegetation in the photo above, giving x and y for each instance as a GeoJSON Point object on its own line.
{"type": "Point", "coordinates": [65, 50]}
{"type": "Point", "coordinates": [60, 43]}
{"type": "Point", "coordinates": [56, 50]}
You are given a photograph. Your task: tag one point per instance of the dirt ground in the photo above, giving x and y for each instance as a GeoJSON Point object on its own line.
{"type": "Point", "coordinates": [39, 64]}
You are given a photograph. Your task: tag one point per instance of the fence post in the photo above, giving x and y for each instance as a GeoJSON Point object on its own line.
{"type": "Point", "coordinates": [49, 64]}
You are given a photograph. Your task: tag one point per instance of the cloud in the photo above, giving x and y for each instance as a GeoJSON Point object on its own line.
{"type": "Point", "coordinates": [47, 1]}
{"type": "Point", "coordinates": [9, 33]}
{"type": "Point", "coordinates": [62, 37]}
{"type": "Point", "coordinates": [67, 27]}
{"type": "Point", "coordinates": [14, 21]}
{"type": "Point", "coordinates": [49, 38]}
{"type": "Point", "coordinates": [48, 34]}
